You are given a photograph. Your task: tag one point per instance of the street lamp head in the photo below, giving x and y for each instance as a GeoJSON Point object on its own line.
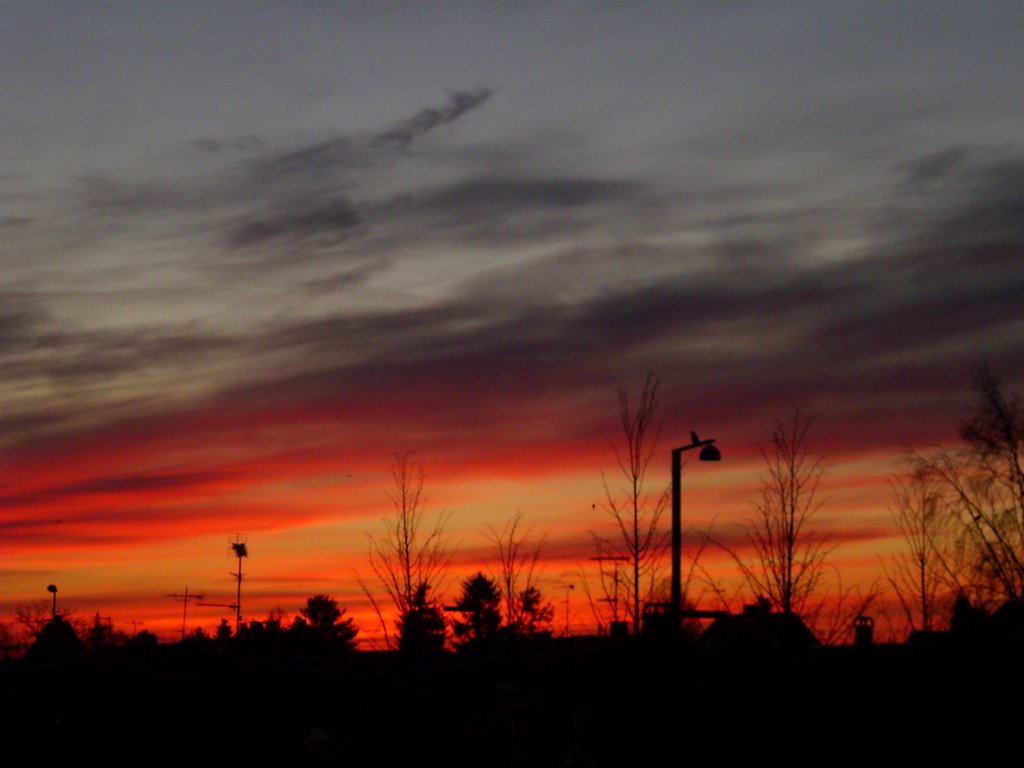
{"type": "Point", "coordinates": [710, 453]}
{"type": "Point", "coordinates": [52, 588]}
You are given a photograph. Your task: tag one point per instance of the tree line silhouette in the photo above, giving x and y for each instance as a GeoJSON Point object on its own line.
{"type": "Point", "coordinates": [959, 512]}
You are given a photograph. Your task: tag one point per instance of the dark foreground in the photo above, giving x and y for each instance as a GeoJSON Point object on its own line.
{"type": "Point", "coordinates": [577, 702]}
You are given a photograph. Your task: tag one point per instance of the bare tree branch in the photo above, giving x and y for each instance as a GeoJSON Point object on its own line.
{"type": "Point", "coordinates": [982, 487]}
{"type": "Point", "coordinates": [788, 559]}
{"type": "Point", "coordinates": [920, 575]}
{"type": "Point", "coordinates": [413, 553]}
{"type": "Point", "coordinates": [635, 510]}
{"type": "Point", "coordinates": [517, 566]}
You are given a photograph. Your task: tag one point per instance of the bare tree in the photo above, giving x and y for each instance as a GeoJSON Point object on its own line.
{"type": "Point", "coordinates": [516, 573]}
{"type": "Point", "coordinates": [413, 556]}
{"type": "Point", "coordinates": [635, 509]}
{"type": "Point", "coordinates": [33, 617]}
{"type": "Point", "coordinates": [787, 564]}
{"type": "Point", "coordinates": [983, 491]}
{"type": "Point", "coordinates": [920, 574]}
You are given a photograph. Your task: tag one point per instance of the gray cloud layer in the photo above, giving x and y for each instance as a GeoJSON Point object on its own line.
{"type": "Point", "coordinates": [622, 274]}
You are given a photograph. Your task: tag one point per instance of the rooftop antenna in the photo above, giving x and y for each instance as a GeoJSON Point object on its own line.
{"type": "Point", "coordinates": [239, 550]}
{"type": "Point", "coordinates": [184, 613]}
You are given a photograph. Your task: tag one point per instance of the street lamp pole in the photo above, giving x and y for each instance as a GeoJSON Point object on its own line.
{"type": "Point", "coordinates": [52, 588]}
{"type": "Point", "coordinates": [708, 452]}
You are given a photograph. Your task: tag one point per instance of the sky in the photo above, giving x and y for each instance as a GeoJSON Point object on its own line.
{"type": "Point", "coordinates": [251, 252]}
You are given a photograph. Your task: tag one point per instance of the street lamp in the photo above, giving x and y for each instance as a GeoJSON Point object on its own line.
{"type": "Point", "coordinates": [708, 452]}
{"type": "Point", "coordinates": [52, 588]}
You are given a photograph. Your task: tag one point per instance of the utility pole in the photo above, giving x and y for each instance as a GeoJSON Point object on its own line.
{"type": "Point", "coordinates": [185, 598]}
{"type": "Point", "coordinates": [614, 599]}
{"type": "Point", "coordinates": [568, 588]}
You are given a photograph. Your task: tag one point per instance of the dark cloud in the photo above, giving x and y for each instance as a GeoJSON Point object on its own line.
{"type": "Point", "coordinates": [128, 484]}
{"type": "Point", "coordinates": [520, 209]}
{"type": "Point", "coordinates": [994, 208]}
{"type": "Point", "coordinates": [322, 226]}
{"type": "Point", "coordinates": [312, 161]}
{"type": "Point", "coordinates": [36, 421]}
{"type": "Point", "coordinates": [973, 196]}
{"type": "Point", "coordinates": [295, 196]}
{"type": "Point", "coordinates": [483, 196]}
{"type": "Point", "coordinates": [276, 204]}
{"type": "Point", "coordinates": [17, 325]}
{"type": "Point", "coordinates": [139, 483]}
{"type": "Point", "coordinates": [753, 334]}
{"type": "Point", "coordinates": [66, 357]}
{"type": "Point", "coordinates": [346, 280]}
{"type": "Point", "coordinates": [935, 166]}
{"type": "Point", "coordinates": [900, 299]}
{"type": "Point", "coordinates": [904, 302]}
{"type": "Point", "coordinates": [406, 334]}
{"type": "Point", "coordinates": [319, 159]}
{"type": "Point", "coordinates": [125, 199]}
{"type": "Point", "coordinates": [748, 307]}
{"type": "Point", "coordinates": [241, 144]}
{"type": "Point", "coordinates": [426, 120]}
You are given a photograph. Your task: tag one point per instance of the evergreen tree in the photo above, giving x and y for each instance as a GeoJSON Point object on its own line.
{"type": "Point", "coordinates": [100, 634]}
{"type": "Point", "coordinates": [421, 627]}
{"type": "Point", "coordinates": [535, 613]}
{"type": "Point", "coordinates": [326, 623]}
{"type": "Point", "coordinates": [480, 606]}
{"type": "Point", "coordinates": [223, 633]}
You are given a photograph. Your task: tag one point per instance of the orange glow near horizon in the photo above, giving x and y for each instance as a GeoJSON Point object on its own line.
{"type": "Point", "coordinates": [120, 527]}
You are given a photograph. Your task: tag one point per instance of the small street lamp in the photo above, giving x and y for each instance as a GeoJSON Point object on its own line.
{"type": "Point", "coordinates": [52, 588]}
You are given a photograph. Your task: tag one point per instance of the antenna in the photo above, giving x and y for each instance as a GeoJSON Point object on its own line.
{"type": "Point", "coordinates": [232, 606]}
{"type": "Point", "coordinates": [238, 549]}
{"type": "Point", "coordinates": [614, 599]}
{"type": "Point", "coordinates": [184, 613]}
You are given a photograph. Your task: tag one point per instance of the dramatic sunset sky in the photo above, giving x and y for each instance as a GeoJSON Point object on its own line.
{"type": "Point", "coordinates": [251, 250]}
